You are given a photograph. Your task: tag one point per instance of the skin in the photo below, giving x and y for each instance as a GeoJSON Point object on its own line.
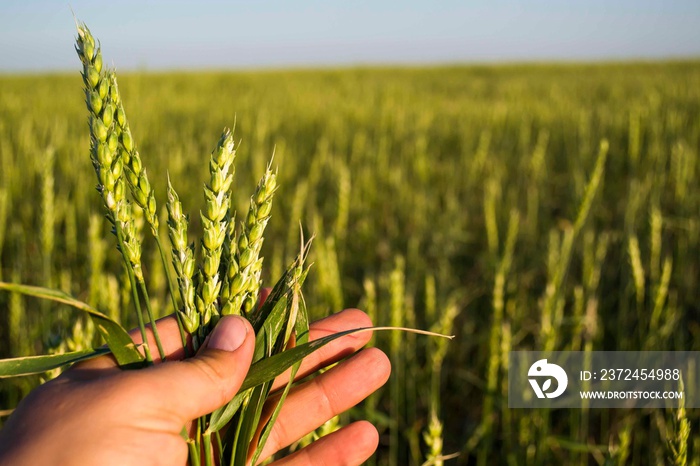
{"type": "Point", "coordinates": [97, 414]}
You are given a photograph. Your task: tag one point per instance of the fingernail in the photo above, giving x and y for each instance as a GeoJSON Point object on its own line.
{"type": "Point", "coordinates": [229, 334]}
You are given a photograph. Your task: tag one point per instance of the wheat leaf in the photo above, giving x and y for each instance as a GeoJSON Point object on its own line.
{"type": "Point", "coordinates": [118, 340]}
{"type": "Point", "coordinates": [28, 365]}
{"type": "Point", "coordinates": [301, 328]}
{"type": "Point", "coordinates": [269, 368]}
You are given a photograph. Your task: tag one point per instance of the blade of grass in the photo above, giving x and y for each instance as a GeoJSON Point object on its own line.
{"type": "Point", "coordinates": [269, 368]}
{"type": "Point", "coordinates": [118, 340]}
{"type": "Point", "coordinates": [28, 365]}
{"type": "Point", "coordinates": [301, 328]}
{"type": "Point", "coordinates": [249, 423]}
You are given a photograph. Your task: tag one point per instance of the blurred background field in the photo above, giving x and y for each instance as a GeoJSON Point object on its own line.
{"type": "Point", "coordinates": [516, 206]}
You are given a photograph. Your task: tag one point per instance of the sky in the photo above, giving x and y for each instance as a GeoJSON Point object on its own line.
{"type": "Point", "coordinates": [38, 35]}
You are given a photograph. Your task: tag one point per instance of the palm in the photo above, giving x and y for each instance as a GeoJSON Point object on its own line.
{"type": "Point", "coordinates": [109, 416]}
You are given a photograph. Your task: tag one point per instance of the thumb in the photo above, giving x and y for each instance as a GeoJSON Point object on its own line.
{"type": "Point", "coordinates": [199, 385]}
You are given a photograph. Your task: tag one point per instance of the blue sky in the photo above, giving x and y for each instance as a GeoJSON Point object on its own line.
{"type": "Point", "coordinates": [37, 35]}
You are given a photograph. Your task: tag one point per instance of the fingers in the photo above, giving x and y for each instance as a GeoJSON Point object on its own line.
{"type": "Point", "coordinates": [196, 386]}
{"type": "Point", "coordinates": [311, 404]}
{"type": "Point", "coordinates": [335, 350]}
{"type": "Point", "coordinates": [351, 445]}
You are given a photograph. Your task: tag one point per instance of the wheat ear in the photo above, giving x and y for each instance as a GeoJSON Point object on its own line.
{"type": "Point", "coordinates": [214, 223]}
{"type": "Point", "coordinates": [183, 259]}
{"type": "Point", "coordinates": [242, 282]}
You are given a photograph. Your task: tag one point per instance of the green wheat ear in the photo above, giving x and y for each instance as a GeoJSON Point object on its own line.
{"type": "Point", "coordinates": [183, 259]}
{"type": "Point", "coordinates": [104, 147]}
{"type": "Point", "coordinates": [134, 170]}
{"type": "Point", "coordinates": [103, 139]}
{"type": "Point", "coordinates": [215, 225]}
{"type": "Point", "coordinates": [102, 98]}
{"type": "Point", "coordinates": [140, 188]}
{"type": "Point", "coordinates": [242, 282]}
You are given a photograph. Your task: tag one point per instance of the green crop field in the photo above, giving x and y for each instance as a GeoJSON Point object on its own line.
{"type": "Point", "coordinates": [519, 207]}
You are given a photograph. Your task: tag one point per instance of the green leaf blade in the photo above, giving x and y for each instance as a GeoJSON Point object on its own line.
{"type": "Point", "coordinates": [269, 368]}
{"type": "Point", "coordinates": [28, 365]}
{"type": "Point", "coordinates": [117, 339]}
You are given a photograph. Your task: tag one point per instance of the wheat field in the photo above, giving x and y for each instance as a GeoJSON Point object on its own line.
{"type": "Point", "coordinates": [519, 207]}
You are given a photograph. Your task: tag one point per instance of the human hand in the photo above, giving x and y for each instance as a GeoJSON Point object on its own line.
{"type": "Point", "coordinates": [96, 413]}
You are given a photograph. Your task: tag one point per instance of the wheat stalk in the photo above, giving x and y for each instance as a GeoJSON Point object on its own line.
{"type": "Point", "coordinates": [142, 193]}
{"type": "Point", "coordinates": [109, 165]}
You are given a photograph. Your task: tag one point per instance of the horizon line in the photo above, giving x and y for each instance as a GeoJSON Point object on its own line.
{"type": "Point", "coordinates": [494, 62]}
